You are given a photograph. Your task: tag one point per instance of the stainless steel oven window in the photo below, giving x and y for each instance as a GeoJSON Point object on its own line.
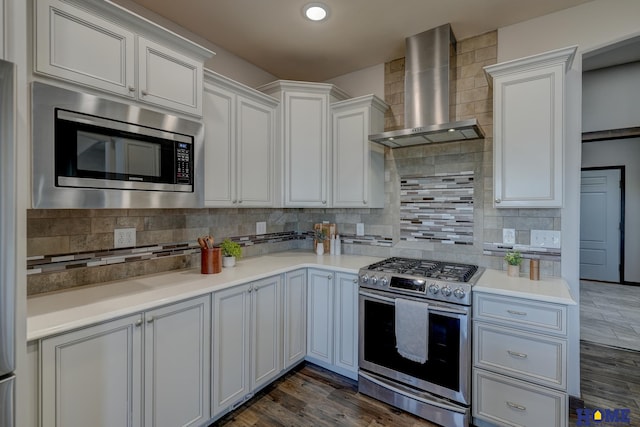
{"type": "Point", "coordinates": [445, 374]}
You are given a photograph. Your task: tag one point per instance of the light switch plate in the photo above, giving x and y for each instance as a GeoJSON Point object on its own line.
{"type": "Point", "coordinates": [360, 229]}
{"type": "Point", "coordinates": [545, 239]}
{"type": "Point", "coordinates": [124, 237]}
{"type": "Point", "coordinates": [261, 227]}
{"type": "Point", "coordinates": [509, 236]}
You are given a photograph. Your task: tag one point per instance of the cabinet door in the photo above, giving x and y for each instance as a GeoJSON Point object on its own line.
{"type": "Point", "coordinates": [320, 316]}
{"type": "Point", "coordinates": [230, 347]}
{"type": "Point", "coordinates": [93, 376]}
{"type": "Point", "coordinates": [255, 145]}
{"type": "Point", "coordinates": [178, 364]}
{"type": "Point", "coordinates": [219, 147]}
{"type": "Point", "coordinates": [265, 331]}
{"type": "Point", "coordinates": [306, 149]}
{"type": "Point", "coordinates": [169, 79]}
{"type": "Point", "coordinates": [77, 46]}
{"type": "Point", "coordinates": [346, 322]}
{"type": "Point", "coordinates": [529, 104]}
{"type": "Point", "coordinates": [295, 317]}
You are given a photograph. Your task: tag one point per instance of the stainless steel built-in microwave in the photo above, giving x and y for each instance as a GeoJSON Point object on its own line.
{"type": "Point", "coordinates": [90, 152]}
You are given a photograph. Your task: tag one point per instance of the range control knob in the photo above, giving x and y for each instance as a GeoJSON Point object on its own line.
{"type": "Point", "coordinates": [433, 288]}
{"type": "Point", "coordinates": [446, 291]}
{"type": "Point", "coordinates": [384, 281]}
{"type": "Point", "coordinates": [459, 293]}
{"type": "Point", "coordinates": [364, 278]}
{"type": "Point", "coordinates": [374, 280]}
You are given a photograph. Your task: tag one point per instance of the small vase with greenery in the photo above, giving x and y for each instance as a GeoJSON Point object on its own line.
{"type": "Point", "coordinates": [514, 259]}
{"type": "Point", "coordinates": [230, 252]}
{"type": "Point", "coordinates": [319, 236]}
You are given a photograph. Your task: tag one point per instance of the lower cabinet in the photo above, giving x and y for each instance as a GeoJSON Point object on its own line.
{"type": "Point", "coordinates": [123, 372]}
{"type": "Point", "coordinates": [519, 362]}
{"type": "Point", "coordinates": [294, 311]}
{"type": "Point", "coordinates": [332, 330]}
{"type": "Point", "coordinates": [246, 341]}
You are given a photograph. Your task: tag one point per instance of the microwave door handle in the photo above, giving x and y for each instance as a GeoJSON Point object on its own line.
{"type": "Point", "coordinates": [432, 307]}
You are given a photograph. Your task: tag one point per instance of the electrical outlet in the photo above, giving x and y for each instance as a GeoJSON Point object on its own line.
{"type": "Point", "coordinates": [545, 239]}
{"type": "Point", "coordinates": [261, 227]}
{"type": "Point", "coordinates": [360, 229]}
{"type": "Point", "coordinates": [509, 236]}
{"type": "Point", "coordinates": [124, 237]}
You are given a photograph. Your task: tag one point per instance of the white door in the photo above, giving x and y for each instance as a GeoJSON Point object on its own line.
{"type": "Point", "coordinates": [600, 221]}
{"type": "Point", "coordinates": [320, 316]}
{"type": "Point", "coordinates": [265, 335]}
{"type": "Point", "coordinates": [93, 376]}
{"type": "Point", "coordinates": [230, 347]}
{"type": "Point", "coordinates": [178, 364]}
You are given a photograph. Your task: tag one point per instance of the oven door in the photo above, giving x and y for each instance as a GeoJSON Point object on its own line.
{"type": "Point", "coordinates": [446, 373]}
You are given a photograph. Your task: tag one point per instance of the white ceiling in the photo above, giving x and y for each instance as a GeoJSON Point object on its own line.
{"type": "Point", "coordinates": [273, 35]}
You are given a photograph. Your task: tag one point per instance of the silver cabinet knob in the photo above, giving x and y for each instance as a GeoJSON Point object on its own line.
{"type": "Point", "coordinates": [324, 202]}
{"type": "Point", "coordinates": [144, 92]}
{"type": "Point", "coordinates": [139, 322]}
{"type": "Point", "coordinates": [150, 319]}
{"type": "Point", "coordinates": [498, 200]}
{"type": "Point", "coordinates": [131, 89]}
{"type": "Point", "coordinates": [329, 277]}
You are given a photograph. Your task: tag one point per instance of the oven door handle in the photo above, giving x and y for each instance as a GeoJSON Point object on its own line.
{"type": "Point", "coordinates": [432, 307]}
{"type": "Point", "coordinates": [439, 403]}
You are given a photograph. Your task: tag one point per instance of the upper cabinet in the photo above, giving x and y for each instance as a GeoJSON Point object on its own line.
{"type": "Point", "coordinates": [529, 104]}
{"type": "Point", "coordinates": [358, 164]}
{"type": "Point", "coordinates": [305, 128]}
{"type": "Point", "coordinates": [102, 46]}
{"type": "Point", "coordinates": [239, 144]}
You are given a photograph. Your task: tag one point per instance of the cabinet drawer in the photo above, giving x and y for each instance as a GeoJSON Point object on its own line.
{"type": "Point", "coordinates": [509, 402]}
{"type": "Point", "coordinates": [527, 356]}
{"type": "Point", "coordinates": [518, 312]}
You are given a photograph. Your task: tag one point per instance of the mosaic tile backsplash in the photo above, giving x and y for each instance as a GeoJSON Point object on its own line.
{"type": "Point", "coordinates": [437, 208]}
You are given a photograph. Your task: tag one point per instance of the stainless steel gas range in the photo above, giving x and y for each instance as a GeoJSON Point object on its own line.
{"type": "Point", "coordinates": [415, 337]}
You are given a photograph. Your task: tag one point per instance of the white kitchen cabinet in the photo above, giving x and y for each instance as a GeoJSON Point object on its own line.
{"type": "Point", "coordinates": [105, 47]}
{"type": "Point", "coordinates": [305, 131]}
{"type": "Point", "coordinates": [529, 103]}
{"type": "Point", "coordinates": [169, 79]}
{"type": "Point", "coordinates": [519, 361]}
{"type": "Point", "coordinates": [332, 317]}
{"type": "Point", "coordinates": [93, 376]}
{"type": "Point", "coordinates": [358, 164]}
{"type": "Point", "coordinates": [177, 368]}
{"type": "Point", "coordinates": [99, 375]}
{"type": "Point", "coordinates": [294, 295]}
{"type": "Point", "coordinates": [239, 144]}
{"type": "Point", "coordinates": [246, 341]}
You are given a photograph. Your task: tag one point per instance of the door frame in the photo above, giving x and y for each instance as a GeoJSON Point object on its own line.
{"type": "Point", "coordinates": [621, 168]}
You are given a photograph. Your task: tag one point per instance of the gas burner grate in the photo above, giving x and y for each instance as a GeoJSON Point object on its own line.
{"type": "Point", "coordinates": [426, 268]}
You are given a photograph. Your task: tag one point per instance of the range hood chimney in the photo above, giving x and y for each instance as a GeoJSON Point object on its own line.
{"type": "Point", "coordinates": [428, 88]}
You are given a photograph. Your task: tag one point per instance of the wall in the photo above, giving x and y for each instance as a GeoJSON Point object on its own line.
{"type": "Point", "coordinates": [590, 26]}
{"type": "Point", "coordinates": [611, 98]}
{"type": "Point", "coordinates": [362, 82]}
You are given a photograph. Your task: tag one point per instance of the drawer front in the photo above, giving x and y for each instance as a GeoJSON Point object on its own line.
{"type": "Point", "coordinates": [532, 357]}
{"type": "Point", "coordinates": [509, 402]}
{"type": "Point", "coordinates": [518, 312]}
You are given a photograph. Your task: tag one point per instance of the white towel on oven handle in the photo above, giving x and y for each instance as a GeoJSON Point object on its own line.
{"type": "Point", "coordinates": [412, 329]}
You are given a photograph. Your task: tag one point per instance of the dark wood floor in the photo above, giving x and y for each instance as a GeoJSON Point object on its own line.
{"type": "Point", "coordinates": [610, 378]}
{"type": "Point", "coordinates": [312, 396]}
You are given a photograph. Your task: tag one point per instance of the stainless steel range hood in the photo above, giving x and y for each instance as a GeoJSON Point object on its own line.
{"type": "Point", "coordinates": [428, 88]}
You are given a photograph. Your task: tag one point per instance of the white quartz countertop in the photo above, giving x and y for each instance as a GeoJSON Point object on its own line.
{"type": "Point", "coordinates": [50, 314]}
{"type": "Point", "coordinates": [548, 289]}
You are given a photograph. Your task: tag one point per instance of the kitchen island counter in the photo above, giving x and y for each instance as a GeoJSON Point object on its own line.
{"type": "Point", "coordinates": [54, 313]}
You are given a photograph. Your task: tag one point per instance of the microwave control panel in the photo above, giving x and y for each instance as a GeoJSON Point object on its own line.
{"type": "Point", "coordinates": [183, 163]}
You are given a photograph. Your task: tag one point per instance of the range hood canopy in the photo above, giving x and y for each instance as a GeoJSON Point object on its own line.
{"type": "Point", "coordinates": [428, 88]}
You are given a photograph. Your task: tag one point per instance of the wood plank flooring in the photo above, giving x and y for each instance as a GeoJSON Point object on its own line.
{"type": "Point", "coordinates": [313, 396]}
{"type": "Point", "coordinates": [610, 378]}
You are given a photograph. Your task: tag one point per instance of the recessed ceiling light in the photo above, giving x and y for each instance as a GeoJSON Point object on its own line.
{"type": "Point", "coordinates": [316, 11]}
